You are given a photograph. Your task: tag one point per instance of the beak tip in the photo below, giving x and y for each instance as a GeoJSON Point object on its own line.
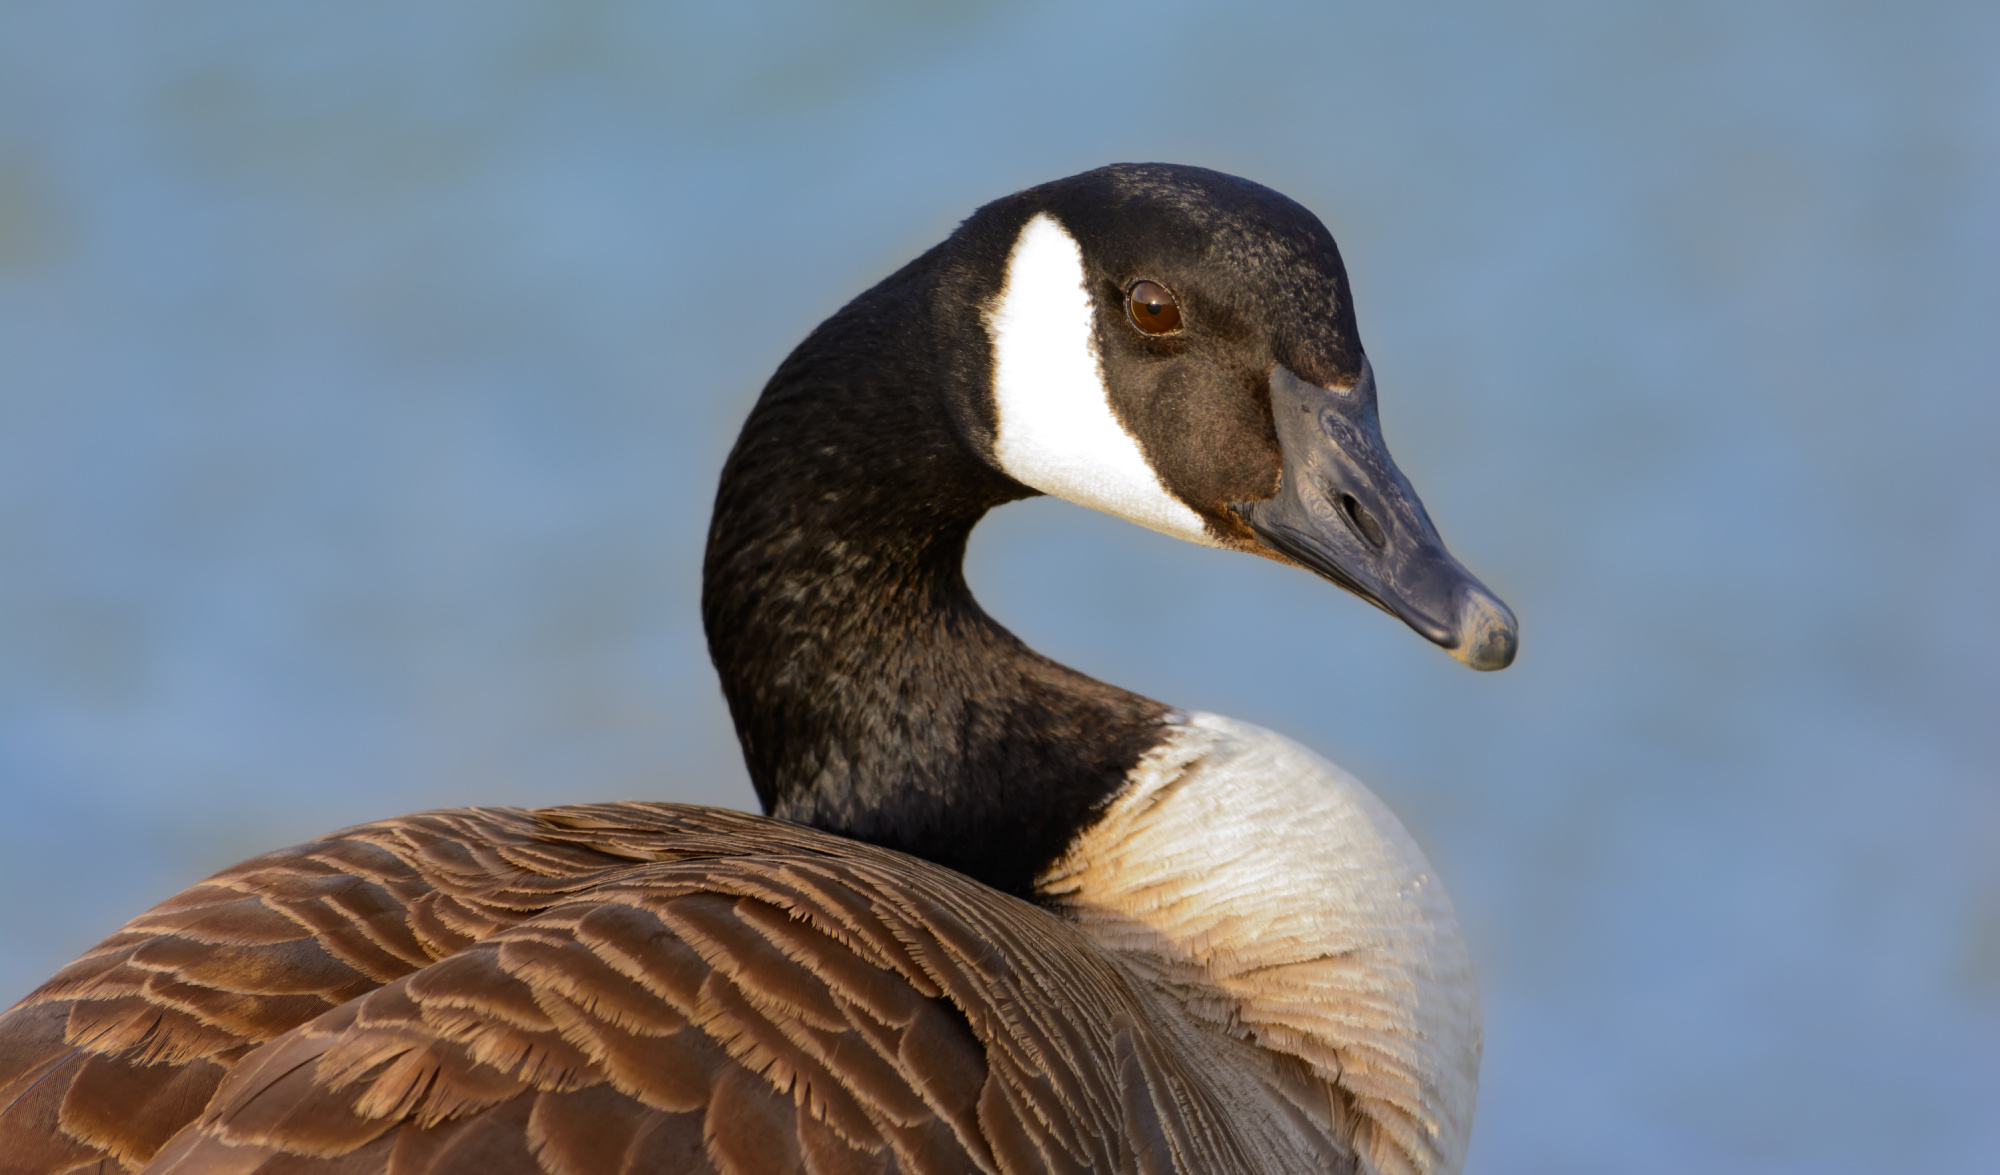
{"type": "Point", "coordinates": [1489, 635]}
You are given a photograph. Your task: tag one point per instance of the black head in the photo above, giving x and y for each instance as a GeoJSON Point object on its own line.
{"type": "Point", "coordinates": [1178, 347]}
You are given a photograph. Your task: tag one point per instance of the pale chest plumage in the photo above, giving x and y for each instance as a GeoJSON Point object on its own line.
{"type": "Point", "coordinates": [1270, 899]}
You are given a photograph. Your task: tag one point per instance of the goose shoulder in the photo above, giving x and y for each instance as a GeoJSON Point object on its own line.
{"type": "Point", "coordinates": [628, 986]}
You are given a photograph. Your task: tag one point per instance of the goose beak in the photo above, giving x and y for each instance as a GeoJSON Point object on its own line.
{"type": "Point", "coordinates": [1345, 511]}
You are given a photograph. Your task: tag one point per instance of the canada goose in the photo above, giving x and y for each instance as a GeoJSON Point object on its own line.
{"type": "Point", "coordinates": [1037, 923]}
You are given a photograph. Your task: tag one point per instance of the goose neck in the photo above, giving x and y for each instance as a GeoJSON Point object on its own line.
{"type": "Point", "coordinates": [873, 697]}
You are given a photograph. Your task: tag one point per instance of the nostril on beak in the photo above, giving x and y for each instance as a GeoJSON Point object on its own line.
{"type": "Point", "coordinates": [1362, 521]}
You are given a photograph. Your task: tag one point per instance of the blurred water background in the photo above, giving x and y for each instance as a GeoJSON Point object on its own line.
{"type": "Point", "coordinates": [365, 371]}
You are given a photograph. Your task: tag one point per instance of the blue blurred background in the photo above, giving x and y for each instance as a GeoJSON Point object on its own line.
{"type": "Point", "coordinates": [365, 372]}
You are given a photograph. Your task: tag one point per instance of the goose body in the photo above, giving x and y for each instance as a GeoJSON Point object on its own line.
{"type": "Point", "coordinates": [1002, 917]}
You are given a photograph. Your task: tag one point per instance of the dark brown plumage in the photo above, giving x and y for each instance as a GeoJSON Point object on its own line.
{"type": "Point", "coordinates": [623, 987]}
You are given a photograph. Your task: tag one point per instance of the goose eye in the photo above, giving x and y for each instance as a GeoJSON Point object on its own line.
{"type": "Point", "coordinates": [1153, 309]}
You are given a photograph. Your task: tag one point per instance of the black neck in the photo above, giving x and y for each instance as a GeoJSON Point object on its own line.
{"type": "Point", "coordinates": [873, 697]}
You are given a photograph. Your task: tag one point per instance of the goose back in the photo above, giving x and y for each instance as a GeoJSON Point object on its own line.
{"type": "Point", "coordinates": [618, 987]}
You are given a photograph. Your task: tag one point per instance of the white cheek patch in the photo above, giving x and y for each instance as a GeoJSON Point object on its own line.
{"type": "Point", "coordinates": [1056, 428]}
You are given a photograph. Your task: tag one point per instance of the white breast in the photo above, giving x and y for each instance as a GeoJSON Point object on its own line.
{"type": "Point", "coordinates": [1056, 428]}
{"type": "Point", "coordinates": [1274, 899]}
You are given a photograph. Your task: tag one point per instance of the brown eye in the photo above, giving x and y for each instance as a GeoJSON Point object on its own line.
{"type": "Point", "coordinates": [1153, 309]}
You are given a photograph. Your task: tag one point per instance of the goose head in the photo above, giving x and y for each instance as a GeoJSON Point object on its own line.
{"type": "Point", "coordinates": [1178, 347]}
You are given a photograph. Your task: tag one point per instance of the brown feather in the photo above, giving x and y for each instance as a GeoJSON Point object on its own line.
{"type": "Point", "coordinates": [650, 987]}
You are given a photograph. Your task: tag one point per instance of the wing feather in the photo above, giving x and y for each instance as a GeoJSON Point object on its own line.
{"type": "Point", "coordinates": [600, 989]}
